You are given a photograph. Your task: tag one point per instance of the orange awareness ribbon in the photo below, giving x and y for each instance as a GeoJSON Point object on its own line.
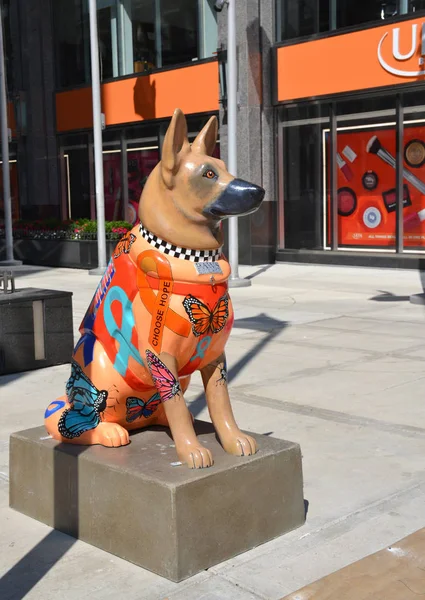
{"type": "Point", "coordinates": [158, 304]}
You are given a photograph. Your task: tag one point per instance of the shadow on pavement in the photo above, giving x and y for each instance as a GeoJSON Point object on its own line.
{"type": "Point", "coordinates": [385, 296]}
{"type": "Point", "coordinates": [259, 272]}
{"type": "Point", "coordinates": [6, 379]}
{"type": "Point", "coordinates": [258, 323]}
{"type": "Point", "coordinates": [31, 569]}
{"type": "Point", "coordinates": [21, 578]}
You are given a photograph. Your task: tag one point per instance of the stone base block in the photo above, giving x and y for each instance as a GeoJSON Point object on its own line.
{"type": "Point", "coordinates": [134, 503]}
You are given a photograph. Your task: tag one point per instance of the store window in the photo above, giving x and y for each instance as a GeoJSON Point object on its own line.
{"type": "Point", "coordinates": [77, 169]}
{"type": "Point", "coordinates": [365, 191]}
{"type": "Point", "coordinates": [338, 174]}
{"type": "Point", "coordinates": [413, 157]}
{"type": "Point", "coordinates": [301, 139]}
{"type": "Point", "coordinates": [301, 18]}
{"type": "Point", "coordinates": [71, 26]}
{"type": "Point", "coordinates": [134, 36]}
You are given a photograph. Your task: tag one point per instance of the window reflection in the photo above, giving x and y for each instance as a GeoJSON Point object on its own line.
{"type": "Point", "coordinates": [300, 18]}
{"type": "Point", "coordinates": [72, 42]}
{"type": "Point", "coordinates": [144, 41]}
{"type": "Point", "coordinates": [179, 31]}
{"type": "Point", "coordinates": [134, 36]}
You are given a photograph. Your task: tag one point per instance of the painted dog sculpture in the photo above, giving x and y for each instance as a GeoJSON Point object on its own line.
{"type": "Point", "coordinates": [162, 311]}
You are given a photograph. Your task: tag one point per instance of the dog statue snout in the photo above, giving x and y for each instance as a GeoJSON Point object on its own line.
{"type": "Point", "coordinates": [239, 198]}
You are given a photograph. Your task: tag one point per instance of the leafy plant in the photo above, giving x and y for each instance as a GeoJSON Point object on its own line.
{"type": "Point", "coordinates": [78, 229]}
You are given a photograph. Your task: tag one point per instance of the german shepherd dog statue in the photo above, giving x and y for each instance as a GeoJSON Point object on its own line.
{"type": "Point", "coordinates": [162, 311]}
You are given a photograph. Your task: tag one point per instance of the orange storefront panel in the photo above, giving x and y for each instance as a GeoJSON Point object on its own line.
{"type": "Point", "coordinates": [194, 89]}
{"type": "Point", "coordinates": [387, 55]}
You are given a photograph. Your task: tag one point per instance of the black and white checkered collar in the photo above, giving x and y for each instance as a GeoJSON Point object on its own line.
{"type": "Point", "coordinates": [177, 251]}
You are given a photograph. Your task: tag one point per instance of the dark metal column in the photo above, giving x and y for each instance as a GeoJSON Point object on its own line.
{"type": "Point", "coordinates": [124, 176]}
{"type": "Point", "coordinates": [333, 183]}
{"type": "Point", "coordinates": [399, 175]}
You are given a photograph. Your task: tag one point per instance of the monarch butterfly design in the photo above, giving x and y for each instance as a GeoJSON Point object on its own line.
{"type": "Point", "coordinates": [167, 385]}
{"type": "Point", "coordinates": [204, 319]}
{"type": "Point", "coordinates": [137, 408]}
{"type": "Point", "coordinates": [124, 245]}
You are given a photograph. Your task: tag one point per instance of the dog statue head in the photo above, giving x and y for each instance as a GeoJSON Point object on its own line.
{"type": "Point", "coordinates": [189, 192]}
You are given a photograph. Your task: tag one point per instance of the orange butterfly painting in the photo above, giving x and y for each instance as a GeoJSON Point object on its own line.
{"type": "Point", "coordinates": [203, 319]}
{"type": "Point", "coordinates": [124, 245]}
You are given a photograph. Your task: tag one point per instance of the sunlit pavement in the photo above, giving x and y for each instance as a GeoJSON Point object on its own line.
{"type": "Point", "coordinates": [330, 357]}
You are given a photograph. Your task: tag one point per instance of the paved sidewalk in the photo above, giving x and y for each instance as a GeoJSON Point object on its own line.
{"type": "Point", "coordinates": [330, 357]}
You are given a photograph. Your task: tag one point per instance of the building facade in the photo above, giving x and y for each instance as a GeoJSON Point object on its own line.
{"type": "Point", "coordinates": [331, 116]}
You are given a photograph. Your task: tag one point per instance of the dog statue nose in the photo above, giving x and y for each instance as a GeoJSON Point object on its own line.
{"type": "Point", "coordinates": [239, 198]}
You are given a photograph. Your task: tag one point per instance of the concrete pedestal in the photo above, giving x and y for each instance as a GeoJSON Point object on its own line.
{"type": "Point", "coordinates": [134, 503]}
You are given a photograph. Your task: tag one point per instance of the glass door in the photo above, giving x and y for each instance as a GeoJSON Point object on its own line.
{"type": "Point", "coordinates": [141, 160]}
{"type": "Point", "coordinates": [14, 190]}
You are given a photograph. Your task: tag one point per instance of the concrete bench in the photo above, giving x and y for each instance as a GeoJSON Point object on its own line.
{"type": "Point", "coordinates": [35, 327]}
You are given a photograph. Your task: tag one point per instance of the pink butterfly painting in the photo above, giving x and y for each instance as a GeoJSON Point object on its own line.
{"type": "Point", "coordinates": [165, 382]}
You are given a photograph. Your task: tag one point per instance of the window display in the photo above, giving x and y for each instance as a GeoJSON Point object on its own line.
{"type": "Point", "coordinates": [366, 194]}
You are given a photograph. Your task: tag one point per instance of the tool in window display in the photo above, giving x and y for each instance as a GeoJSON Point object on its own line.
{"type": "Point", "coordinates": [374, 146]}
{"type": "Point", "coordinates": [344, 168]}
{"type": "Point", "coordinates": [162, 311]}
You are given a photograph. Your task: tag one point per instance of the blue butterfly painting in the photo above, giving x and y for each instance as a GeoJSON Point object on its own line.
{"type": "Point", "coordinates": [137, 408]}
{"type": "Point", "coordinates": [87, 402]}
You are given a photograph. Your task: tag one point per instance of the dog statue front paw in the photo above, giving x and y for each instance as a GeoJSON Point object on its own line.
{"type": "Point", "coordinates": [110, 435]}
{"type": "Point", "coordinates": [239, 444]}
{"type": "Point", "coordinates": [195, 456]}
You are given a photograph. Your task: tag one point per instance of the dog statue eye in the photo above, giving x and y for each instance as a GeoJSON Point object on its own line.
{"type": "Point", "coordinates": [209, 174]}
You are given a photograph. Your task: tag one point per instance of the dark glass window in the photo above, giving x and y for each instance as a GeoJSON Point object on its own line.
{"type": "Point", "coordinates": [179, 31]}
{"type": "Point", "coordinates": [415, 5]}
{"type": "Point", "coordinates": [145, 50]}
{"type": "Point", "coordinates": [303, 177]}
{"type": "Point", "coordinates": [134, 36]}
{"type": "Point", "coordinates": [77, 169]}
{"type": "Point", "coordinates": [350, 13]}
{"type": "Point", "coordinates": [8, 47]}
{"type": "Point", "coordinates": [72, 42]}
{"type": "Point", "coordinates": [301, 18]}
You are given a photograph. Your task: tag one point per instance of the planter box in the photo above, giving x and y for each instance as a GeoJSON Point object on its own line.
{"type": "Point", "coordinates": [74, 254]}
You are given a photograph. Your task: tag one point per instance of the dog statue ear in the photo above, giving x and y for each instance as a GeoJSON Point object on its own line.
{"type": "Point", "coordinates": [175, 140]}
{"type": "Point", "coordinates": [206, 139]}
